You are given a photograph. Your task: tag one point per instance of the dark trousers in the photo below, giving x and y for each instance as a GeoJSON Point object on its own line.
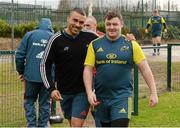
{"type": "Point", "coordinates": [33, 90]}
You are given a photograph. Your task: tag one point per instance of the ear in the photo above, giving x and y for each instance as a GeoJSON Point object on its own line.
{"type": "Point", "coordinates": [122, 23]}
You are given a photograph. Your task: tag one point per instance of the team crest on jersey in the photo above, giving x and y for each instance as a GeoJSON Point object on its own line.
{"type": "Point", "coordinates": [111, 56]}
{"type": "Point", "coordinates": [156, 19]}
{"type": "Point", "coordinates": [100, 50]}
{"type": "Point", "coordinates": [124, 48]}
{"type": "Point", "coordinates": [66, 49]}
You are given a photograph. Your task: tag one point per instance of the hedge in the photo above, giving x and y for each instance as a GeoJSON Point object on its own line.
{"type": "Point", "coordinates": [21, 29]}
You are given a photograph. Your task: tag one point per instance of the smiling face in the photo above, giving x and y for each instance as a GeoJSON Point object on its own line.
{"type": "Point", "coordinates": [113, 24]}
{"type": "Point", "coordinates": [75, 22]}
{"type": "Point", "coordinates": [113, 28]}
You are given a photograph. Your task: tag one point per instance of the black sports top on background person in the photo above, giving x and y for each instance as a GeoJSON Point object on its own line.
{"type": "Point", "coordinates": [68, 54]}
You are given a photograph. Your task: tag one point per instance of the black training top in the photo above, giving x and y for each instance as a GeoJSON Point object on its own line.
{"type": "Point", "coordinates": [68, 54]}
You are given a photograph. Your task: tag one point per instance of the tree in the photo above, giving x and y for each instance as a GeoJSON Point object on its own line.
{"type": "Point", "coordinates": [64, 5]}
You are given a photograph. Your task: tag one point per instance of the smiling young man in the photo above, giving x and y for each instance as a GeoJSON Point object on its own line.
{"type": "Point", "coordinates": [113, 57]}
{"type": "Point", "coordinates": [67, 50]}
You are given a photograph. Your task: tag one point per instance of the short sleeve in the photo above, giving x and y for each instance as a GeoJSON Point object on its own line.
{"type": "Point", "coordinates": [138, 54]}
{"type": "Point", "coordinates": [90, 56]}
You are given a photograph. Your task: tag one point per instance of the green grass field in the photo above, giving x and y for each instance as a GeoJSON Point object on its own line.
{"type": "Point", "coordinates": [165, 114]}
{"type": "Point", "coordinates": [159, 70]}
{"type": "Point", "coordinates": [11, 97]}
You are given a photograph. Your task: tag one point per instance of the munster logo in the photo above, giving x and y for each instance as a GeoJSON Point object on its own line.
{"type": "Point", "coordinates": [111, 56]}
{"type": "Point", "coordinates": [124, 48]}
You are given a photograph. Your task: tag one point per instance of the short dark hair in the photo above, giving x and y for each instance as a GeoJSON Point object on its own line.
{"type": "Point", "coordinates": [78, 10]}
{"type": "Point", "coordinates": [112, 14]}
{"type": "Point", "coordinates": [155, 11]}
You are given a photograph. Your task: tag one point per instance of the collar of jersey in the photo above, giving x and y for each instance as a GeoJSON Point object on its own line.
{"type": "Point", "coordinates": [67, 35]}
{"type": "Point", "coordinates": [120, 37]}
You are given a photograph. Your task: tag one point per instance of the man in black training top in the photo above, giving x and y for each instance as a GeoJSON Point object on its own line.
{"type": "Point", "coordinates": [67, 50]}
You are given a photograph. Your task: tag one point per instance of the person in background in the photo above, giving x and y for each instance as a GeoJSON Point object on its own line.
{"type": "Point", "coordinates": [114, 57]}
{"type": "Point", "coordinates": [157, 23]}
{"type": "Point", "coordinates": [28, 58]}
{"type": "Point", "coordinates": [91, 25]}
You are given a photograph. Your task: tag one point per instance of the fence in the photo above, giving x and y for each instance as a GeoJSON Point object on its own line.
{"type": "Point", "coordinates": [11, 92]}
{"type": "Point", "coordinates": [165, 68]}
{"type": "Point", "coordinates": [23, 13]}
{"type": "Point", "coordinates": [166, 72]}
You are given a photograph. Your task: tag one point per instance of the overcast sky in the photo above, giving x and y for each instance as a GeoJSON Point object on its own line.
{"type": "Point", "coordinates": [54, 3]}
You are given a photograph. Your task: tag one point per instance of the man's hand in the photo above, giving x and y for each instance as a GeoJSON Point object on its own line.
{"type": "Point", "coordinates": [55, 94]}
{"type": "Point", "coordinates": [146, 30]}
{"type": "Point", "coordinates": [130, 37]}
{"type": "Point", "coordinates": [153, 100]}
{"type": "Point", "coordinates": [21, 77]}
{"type": "Point", "coordinates": [92, 99]}
{"type": "Point", "coordinates": [165, 30]}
